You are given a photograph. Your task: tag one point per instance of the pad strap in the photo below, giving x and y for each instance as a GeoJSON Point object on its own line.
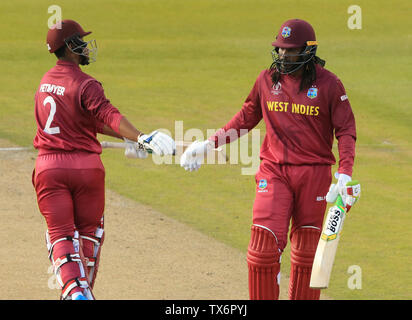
{"type": "Point", "coordinates": [59, 262]}
{"type": "Point", "coordinates": [71, 284]}
{"type": "Point", "coordinates": [50, 245]}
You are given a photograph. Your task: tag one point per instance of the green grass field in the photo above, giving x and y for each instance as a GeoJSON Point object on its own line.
{"type": "Point", "coordinates": [196, 61]}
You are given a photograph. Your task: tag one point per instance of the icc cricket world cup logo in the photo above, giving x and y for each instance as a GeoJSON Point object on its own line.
{"type": "Point", "coordinates": [276, 88]}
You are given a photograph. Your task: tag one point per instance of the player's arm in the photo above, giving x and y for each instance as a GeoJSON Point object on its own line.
{"type": "Point", "coordinates": [106, 130]}
{"type": "Point", "coordinates": [343, 122]}
{"type": "Point", "coordinates": [117, 125]}
{"type": "Point", "coordinates": [243, 121]}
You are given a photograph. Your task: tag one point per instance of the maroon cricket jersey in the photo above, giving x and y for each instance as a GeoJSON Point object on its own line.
{"type": "Point", "coordinates": [70, 109]}
{"type": "Point", "coordinates": [300, 125]}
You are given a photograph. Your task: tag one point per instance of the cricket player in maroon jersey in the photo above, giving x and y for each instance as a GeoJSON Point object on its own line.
{"type": "Point", "coordinates": [304, 107]}
{"type": "Point", "coordinates": [70, 109]}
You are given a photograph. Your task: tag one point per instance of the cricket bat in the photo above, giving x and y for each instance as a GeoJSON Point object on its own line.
{"type": "Point", "coordinates": [184, 144]}
{"type": "Point", "coordinates": [327, 246]}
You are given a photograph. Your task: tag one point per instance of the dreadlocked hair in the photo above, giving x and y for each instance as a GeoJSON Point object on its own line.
{"type": "Point", "coordinates": [308, 75]}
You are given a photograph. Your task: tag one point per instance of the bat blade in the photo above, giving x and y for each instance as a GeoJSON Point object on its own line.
{"type": "Point", "coordinates": [327, 247]}
{"type": "Point", "coordinates": [323, 263]}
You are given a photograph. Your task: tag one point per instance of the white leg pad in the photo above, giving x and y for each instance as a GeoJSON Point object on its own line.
{"type": "Point", "coordinates": [58, 262]}
{"type": "Point", "coordinates": [92, 263]}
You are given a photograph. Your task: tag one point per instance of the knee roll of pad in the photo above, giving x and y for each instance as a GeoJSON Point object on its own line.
{"type": "Point", "coordinates": [263, 258]}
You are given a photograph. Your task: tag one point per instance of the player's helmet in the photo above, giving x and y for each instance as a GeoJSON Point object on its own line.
{"type": "Point", "coordinates": [294, 33]}
{"type": "Point", "coordinates": [70, 32]}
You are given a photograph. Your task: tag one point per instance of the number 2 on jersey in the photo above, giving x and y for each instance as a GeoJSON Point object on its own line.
{"type": "Point", "coordinates": [47, 128]}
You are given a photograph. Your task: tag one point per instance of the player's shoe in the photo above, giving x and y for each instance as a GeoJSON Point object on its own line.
{"type": "Point", "coordinates": [78, 296]}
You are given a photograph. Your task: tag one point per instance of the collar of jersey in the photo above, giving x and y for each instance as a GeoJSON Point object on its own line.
{"type": "Point", "coordinates": [67, 63]}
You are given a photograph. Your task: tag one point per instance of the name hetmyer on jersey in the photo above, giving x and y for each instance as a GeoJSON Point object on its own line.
{"type": "Point", "coordinates": [52, 88]}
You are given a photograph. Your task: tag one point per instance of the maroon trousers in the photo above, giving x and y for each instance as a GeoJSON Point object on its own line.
{"type": "Point", "coordinates": [71, 196]}
{"type": "Point", "coordinates": [287, 193]}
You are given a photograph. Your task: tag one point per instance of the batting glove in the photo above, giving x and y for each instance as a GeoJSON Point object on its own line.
{"type": "Point", "coordinates": [337, 188]}
{"type": "Point", "coordinates": [350, 194]}
{"type": "Point", "coordinates": [194, 155]}
{"type": "Point", "coordinates": [157, 142]}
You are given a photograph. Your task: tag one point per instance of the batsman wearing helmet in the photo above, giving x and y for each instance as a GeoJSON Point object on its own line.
{"type": "Point", "coordinates": [304, 107]}
{"type": "Point", "coordinates": [70, 109]}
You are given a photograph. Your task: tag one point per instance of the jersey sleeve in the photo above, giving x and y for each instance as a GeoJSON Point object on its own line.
{"type": "Point", "coordinates": [99, 126]}
{"type": "Point", "coordinates": [244, 120]}
{"type": "Point", "coordinates": [344, 125]}
{"type": "Point", "coordinates": [94, 101]}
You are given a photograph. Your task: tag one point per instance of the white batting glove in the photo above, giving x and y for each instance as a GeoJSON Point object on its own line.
{"type": "Point", "coordinates": [133, 150]}
{"type": "Point", "coordinates": [337, 188]}
{"type": "Point", "coordinates": [157, 142]}
{"type": "Point", "coordinates": [194, 155]}
{"type": "Point", "coordinates": [350, 194]}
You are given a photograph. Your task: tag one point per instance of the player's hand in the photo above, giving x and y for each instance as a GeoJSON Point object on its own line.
{"type": "Point", "coordinates": [335, 189]}
{"type": "Point", "coordinates": [194, 155]}
{"type": "Point", "coordinates": [348, 190]}
{"type": "Point", "coordinates": [350, 194]}
{"type": "Point", "coordinates": [133, 150]}
{"type": "Point", "coordinates": [157, 142]}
